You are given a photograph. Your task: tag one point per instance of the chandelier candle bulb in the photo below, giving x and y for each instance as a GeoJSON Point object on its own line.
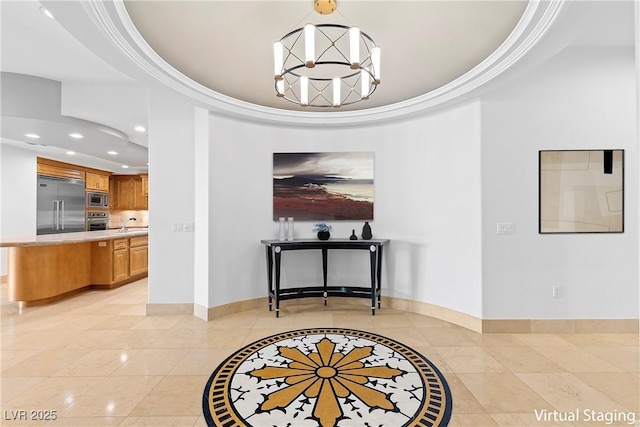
{"type": "Point", "coordinates": [304, 91]}
{"type": "Point", "coordinates": [309, 46]}
{"type": "Point", "coordinates": [278, 60]}
{"type": "Point", "coordinates": [364, 84]}
{"type": "Point", "coordinates": [354, 47]}
{"type": "Point", "coordinates": [336, 91]}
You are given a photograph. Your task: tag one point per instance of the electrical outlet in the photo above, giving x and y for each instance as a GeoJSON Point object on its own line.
{"type": "Point", "coordinates": [188, 227]}
{"type": "Point", "coordinates": [555, 291]}
{"type": "Point", "coordinates": [177, 227]}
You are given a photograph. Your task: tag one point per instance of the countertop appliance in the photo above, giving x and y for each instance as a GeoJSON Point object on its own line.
{"type": "Point", "coordinates": [97, 221]}
{"type": "Point", "coordinates": [97, 200]}
{"type": "Point", "coordinates": [60, 205]}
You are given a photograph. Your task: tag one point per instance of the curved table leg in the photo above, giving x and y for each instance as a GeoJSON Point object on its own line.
{"type": "Point", "coordinates": [373, 254]}
{"type": "Point", "coordinates": [324, 274]}
{"type": "Point", "coordinates": [270, 275]}
{"type": "Point", "coordinates": [379, 275]}
{"type": "Point", "coordinates": [278, 252]}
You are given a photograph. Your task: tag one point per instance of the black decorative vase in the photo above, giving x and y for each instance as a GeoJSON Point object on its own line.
{"type": "Point", "coordinates": [324, 235]}
{"type": "Point", "coordinates": [366, 231]}
{"type": "Point", "coordinates": [353, 235]}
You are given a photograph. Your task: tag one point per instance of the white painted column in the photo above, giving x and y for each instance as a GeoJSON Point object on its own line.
{"type": "Point", "coordinates": [202, 207]}
{"type": "Point", "coordinates": [171, 203]}
{"type": "Point", "coordinates": [637, 43]}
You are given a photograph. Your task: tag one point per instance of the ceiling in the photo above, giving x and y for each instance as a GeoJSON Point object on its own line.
{"type": "Point", "coordinates": [105, 103]}
{"type": "Point", "coordinates": [224, 48]}
{"type": "Point", "coordinates": [227, 46]}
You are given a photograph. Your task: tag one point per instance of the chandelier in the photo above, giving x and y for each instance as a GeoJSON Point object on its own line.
{"type": "Point", "coordinates": [326, 65]}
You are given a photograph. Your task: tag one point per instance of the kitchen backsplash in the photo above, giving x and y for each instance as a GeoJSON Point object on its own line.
{"type": "Point", "coordinates": [116, 218]}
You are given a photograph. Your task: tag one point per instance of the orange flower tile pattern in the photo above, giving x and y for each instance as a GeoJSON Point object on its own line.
{"type": "Point", "coordinates": [327, 378]}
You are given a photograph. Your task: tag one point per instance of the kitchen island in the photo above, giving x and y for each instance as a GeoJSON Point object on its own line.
{"type": "Point", "coordinates": [46, 268]}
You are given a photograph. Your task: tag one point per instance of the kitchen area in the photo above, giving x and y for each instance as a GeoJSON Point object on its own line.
{"type": "Point", "coordinates": [72, 198]}
{"type": "Point", "coordinates": [74, 165]}
{"type": "Point", "coordinates": [91, 232]}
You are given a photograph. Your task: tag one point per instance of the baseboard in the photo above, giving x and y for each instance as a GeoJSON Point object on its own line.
{"type": "Point", "coordinates": [236, 307]}
{"type": "Point", "coordinates": [205, 313]}
{"type": "Point", "coordinates": [452, 316]}
{"type": "Point", "coordinates": [561, 326]}
{"type": "Point", "coordinates": [493, 326]}
{"type": "Point", "coordinates": [169, 309]}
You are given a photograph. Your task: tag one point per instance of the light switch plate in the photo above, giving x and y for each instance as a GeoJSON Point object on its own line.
{"type": "Point", "coordinates": [176, 227]}
{"type": "Point", "coordinates": [505, 228]}
{"type": "Point", "coordinates": [188, 227]}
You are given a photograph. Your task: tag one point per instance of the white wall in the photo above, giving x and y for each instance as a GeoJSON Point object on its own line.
{"type": "Point", "coordinates": [427, 201]}
{"type": "Point", "coordinates": [17, 195]}
{"type": "Point", "coordinates": [581, 99]}
{"type": "Point", "coordinates": [171, 199]}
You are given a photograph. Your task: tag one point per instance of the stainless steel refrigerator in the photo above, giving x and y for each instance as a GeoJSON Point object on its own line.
{"type": "Point", "coordinates": [60, 205]}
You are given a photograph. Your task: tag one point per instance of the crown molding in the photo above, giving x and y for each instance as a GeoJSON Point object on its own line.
{"type": "Point", "coordinates": [113, 21]}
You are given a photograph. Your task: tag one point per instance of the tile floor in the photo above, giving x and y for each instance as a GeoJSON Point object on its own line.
{"type": "Point", "coordinates": [97, 360]}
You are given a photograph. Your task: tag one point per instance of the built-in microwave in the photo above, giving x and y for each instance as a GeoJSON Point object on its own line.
{"type": "Point", "coordinates": [97, 200]}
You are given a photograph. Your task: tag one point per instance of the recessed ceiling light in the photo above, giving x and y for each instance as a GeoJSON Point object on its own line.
{"type": "Point", "coordinates": [71, 153]}
{"type": "Point", "coordinates": [76, 135]}
{"type": "Point", "coordinates": [140, 128]}
{"type": "Point", "coordinates": [125, 167]}
{"type": "Point", "coordinates": [32, 135]}
{"type": "Point", "coordinates": [113, 153]}
{"type": "Point", "coordinates": [46, 12]}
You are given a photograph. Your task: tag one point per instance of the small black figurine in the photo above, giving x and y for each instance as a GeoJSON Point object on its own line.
{"type": "Point", "coordinates": [366, 231]}
{"type": "Point", "coordinates": [353, 235]}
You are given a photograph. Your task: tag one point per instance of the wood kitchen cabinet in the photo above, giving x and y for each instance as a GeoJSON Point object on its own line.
{"type": "Point", "coordinates": [95, 179]}
{"type": "Point", "coordinates": [138, 255]}
{"type": "Point", "coordinates": [119, 261]}
{"type": "Point", "coordinates": [97, 182]}
{"type": "Point", "coordinates": [122, 190]}
{"type": "Point", "coordinates": [127, 193]}
{"type": "Point", "coordinates": [40, 272]}
{"type": "Point", "coordinates": [145, 184]}
{"type": "Point", "coordinates": [50, 167]}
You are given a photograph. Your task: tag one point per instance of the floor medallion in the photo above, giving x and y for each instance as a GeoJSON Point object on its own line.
{"type": "Point", "coordinates": [326, 377]}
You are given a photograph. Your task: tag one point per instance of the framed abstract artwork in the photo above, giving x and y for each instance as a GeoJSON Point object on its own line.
{"type": "Point", "coordinates": [581, 191]}
{"type": "Point", "coordinates": [323, 186]}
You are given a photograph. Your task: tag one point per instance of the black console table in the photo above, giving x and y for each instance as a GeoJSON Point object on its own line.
{"type": "Point", "coordinates": [274, 256]}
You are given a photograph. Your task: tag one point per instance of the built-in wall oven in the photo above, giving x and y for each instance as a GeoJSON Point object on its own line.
{"type": "Point", "coordinates": [97, 221]}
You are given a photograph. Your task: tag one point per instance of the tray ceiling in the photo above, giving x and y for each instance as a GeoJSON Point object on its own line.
{"type": "Point", "coordinates": [227, 46]}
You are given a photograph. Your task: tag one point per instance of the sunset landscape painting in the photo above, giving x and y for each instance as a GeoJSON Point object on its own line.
{"type": "Point", "coordinates": [323, 186]}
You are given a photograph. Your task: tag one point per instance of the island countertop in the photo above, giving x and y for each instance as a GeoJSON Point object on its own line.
{"type": "Point", "coordinates": [68, 238]}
